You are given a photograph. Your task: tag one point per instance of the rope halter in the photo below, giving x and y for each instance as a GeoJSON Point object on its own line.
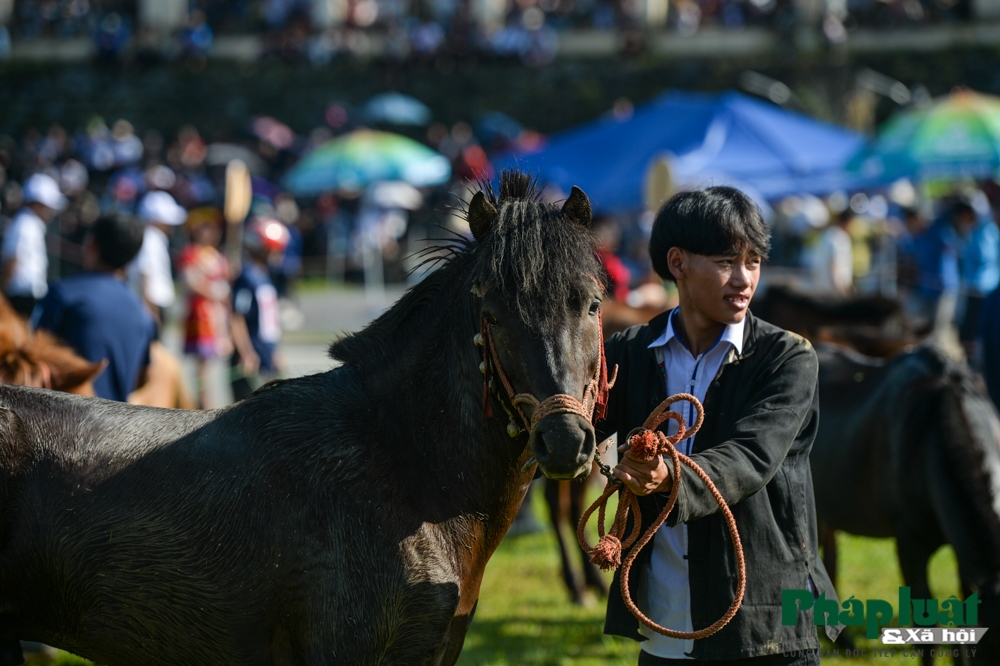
{"type": "Point", "coordinates": [592, 408]}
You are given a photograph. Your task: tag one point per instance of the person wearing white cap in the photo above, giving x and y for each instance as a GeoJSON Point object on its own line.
{"type": "Point", "coordinates": [150, 273]}
{"type": "Point", "coordinates": [24, 260]}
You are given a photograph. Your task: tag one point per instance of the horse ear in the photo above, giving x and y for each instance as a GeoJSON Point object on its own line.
{"type": "Point", "coordinates": [482, 216]}
{"type": "Point", "coordinates": [577, 208]}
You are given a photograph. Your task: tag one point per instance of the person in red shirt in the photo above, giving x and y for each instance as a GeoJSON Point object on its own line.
{"type": "Point", "coordinates": [609, 235]}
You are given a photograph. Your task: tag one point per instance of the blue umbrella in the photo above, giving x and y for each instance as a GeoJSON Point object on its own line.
{"type": "Point", "coordinates": [396, 109]}
{"type": "Point", "coordinates": [774, 151]}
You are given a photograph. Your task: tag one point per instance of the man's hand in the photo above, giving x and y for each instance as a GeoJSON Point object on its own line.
{"type": "Point", "coordinates": [643, 477]}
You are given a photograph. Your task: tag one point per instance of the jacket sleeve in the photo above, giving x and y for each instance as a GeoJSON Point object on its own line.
{"type": "Point", "coordinates": [775, 414]}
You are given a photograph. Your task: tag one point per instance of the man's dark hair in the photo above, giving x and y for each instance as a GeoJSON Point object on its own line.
{"type": "Point", "coordinates": [715, 221]}
{"type": "Point", "coordinates": [118, 239]}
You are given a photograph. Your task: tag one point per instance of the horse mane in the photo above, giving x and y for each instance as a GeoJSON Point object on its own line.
{"type": "Point", "coordinates": [534, 256]}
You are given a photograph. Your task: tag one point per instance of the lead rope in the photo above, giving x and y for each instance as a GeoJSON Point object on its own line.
{"type": "Point", "coordinates": [645, 443]}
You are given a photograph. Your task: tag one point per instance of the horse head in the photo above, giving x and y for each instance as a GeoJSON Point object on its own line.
{"type": "Point", "coordinates": [540, 288]}
{"type": "Point", "coordinates": [38, 359]}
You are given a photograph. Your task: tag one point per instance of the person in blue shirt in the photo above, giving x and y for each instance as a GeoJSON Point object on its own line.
{"type": "Point", "coordinates": [979, 263]}
{"type": "Point", "coordinates": [935, 252]}
{"type": "Point", "coordinates": [256, 328]}
{"type": "Point", "coordinates": [97, 314]}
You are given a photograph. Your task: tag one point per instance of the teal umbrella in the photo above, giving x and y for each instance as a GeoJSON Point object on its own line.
{"type": "Point", "coordinates": [353, 161]}
{"type": "Point", "coordinates": [957, 136]}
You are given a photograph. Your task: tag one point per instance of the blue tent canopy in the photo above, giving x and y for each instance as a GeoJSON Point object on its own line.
{"type": "Point", "coordinates": [729, 136]}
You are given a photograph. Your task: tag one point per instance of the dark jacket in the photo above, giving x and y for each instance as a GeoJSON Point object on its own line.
{"type": "Point", "coordinates": [761, 415]}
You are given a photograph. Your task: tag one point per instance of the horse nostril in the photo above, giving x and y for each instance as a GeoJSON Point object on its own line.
{"type": "Point", "coordinates": [539, 446]}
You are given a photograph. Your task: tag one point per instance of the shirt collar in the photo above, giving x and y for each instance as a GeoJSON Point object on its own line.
{"type": "Point", "coordinates": [732, 333]}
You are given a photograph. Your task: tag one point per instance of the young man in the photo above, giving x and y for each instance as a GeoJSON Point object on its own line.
{"type": "Point", "coordinates": [256, 328]}
{"type": "Point", "coordinates": [98, 315]}
{"type": "Point", "coordinates": [758, 385]}
{"type": "Point", "coordinates": [24, 259]}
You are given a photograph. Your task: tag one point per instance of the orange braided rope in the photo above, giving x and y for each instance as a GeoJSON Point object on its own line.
{"type": "Point", "coordinates": [645, 443]}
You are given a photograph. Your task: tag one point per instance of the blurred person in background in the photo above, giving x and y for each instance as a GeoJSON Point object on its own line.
{"type": "Point", "coordinates": [907, 264]}
{"type": "Point", "coordinates": [936, 253]}
{"type": "Point", "coordinates": [979, 266]}
{"type": "Point", "coordinates": [150, 273]}
{"type": "Point", "coordinates": [205, 273]}
{"type": "Point", "coordinates": [609, 236]}
{"type": "Point", "coordinates": [830, 258]}
{"type": "Point", "coordinates": [98, 315]}
{"type": "Point", "coordinates": [255, 324]}
{"type": "Point", "coordinates": [24, 261]}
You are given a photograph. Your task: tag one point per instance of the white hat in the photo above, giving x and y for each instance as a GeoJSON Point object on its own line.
{"type": "Point", "coordinates": [160, 207]}
{"type": "Point", "coordinates": [44, 189]}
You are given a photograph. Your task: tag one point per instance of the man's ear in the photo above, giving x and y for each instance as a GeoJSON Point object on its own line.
{"type": "Point", "coordinates": [676, 262]}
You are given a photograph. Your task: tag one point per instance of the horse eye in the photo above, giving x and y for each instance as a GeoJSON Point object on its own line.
{"type": "Point", "coordinates": [490, 319]}
{"type": "Point", "coordinates": [595, 307]}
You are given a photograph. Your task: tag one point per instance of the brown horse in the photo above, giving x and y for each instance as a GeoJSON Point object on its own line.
{"type": "Point", "coordinates": [38, 359]}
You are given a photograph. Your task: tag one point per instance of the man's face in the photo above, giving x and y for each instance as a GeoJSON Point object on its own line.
{"type": "Point", "coordinates": [719, 286]}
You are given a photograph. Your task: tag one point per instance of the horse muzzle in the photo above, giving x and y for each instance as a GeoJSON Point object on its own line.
{"type": "Point", "coordinates": [564, 445]}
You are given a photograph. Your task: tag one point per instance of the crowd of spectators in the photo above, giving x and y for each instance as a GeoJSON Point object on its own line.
{"type": "Point", "coordinates": [176, 186]}
{"type": "Point", "coordinates": [523, 29]}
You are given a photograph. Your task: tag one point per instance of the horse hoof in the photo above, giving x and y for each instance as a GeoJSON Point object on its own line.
{"type": "Point", "coordinates": [10, 652]}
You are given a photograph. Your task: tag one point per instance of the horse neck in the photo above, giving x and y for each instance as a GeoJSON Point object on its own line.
{"type": "Point", "coordinates": [445, 448]}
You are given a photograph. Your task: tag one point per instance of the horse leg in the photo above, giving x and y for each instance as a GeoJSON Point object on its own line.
{"type": "Point", "coordinates": [913, 555]}
{"type": "Point", "coordinates": [591, 574]}
{"type": "Point", "coordinates": [553, 496]}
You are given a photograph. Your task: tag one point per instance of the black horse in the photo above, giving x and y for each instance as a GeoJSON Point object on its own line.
{"type": "Point", "coordinates": [872, 324]}
{"type": "Point", "coordinates": [910, 448]}
{"type": "Point", "coordinates": [341, 518]}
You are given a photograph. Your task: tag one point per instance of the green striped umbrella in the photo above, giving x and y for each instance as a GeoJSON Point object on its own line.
{"type": "Point", "coordinates": [364, 156]}
{"type": "Point", "coordinates": [957, 136]}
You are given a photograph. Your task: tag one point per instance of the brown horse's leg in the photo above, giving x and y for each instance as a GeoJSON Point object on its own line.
{"type": "Point", "coordinates": [591, 574]}
{"type": "Point", "coordinates": [913, 555]}
{"type": "Point", "coordinates": [553, 496]}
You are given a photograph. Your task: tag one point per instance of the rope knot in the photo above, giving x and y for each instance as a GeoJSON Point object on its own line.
{"type": "Point", "coordinates": [645, 444]}
{"type": "Point", "coordinates": [607, 554]}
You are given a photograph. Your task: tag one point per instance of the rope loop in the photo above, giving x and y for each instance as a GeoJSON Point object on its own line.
{"type": "Point", "coordinates": [645, 443]}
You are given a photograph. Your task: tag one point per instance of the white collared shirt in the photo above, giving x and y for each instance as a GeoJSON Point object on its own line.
{"type": "Point", "coordinates": [667, 594]}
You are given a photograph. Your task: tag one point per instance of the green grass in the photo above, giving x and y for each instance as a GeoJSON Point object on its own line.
{"type": "Point", "coordinates": [525, 618]}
